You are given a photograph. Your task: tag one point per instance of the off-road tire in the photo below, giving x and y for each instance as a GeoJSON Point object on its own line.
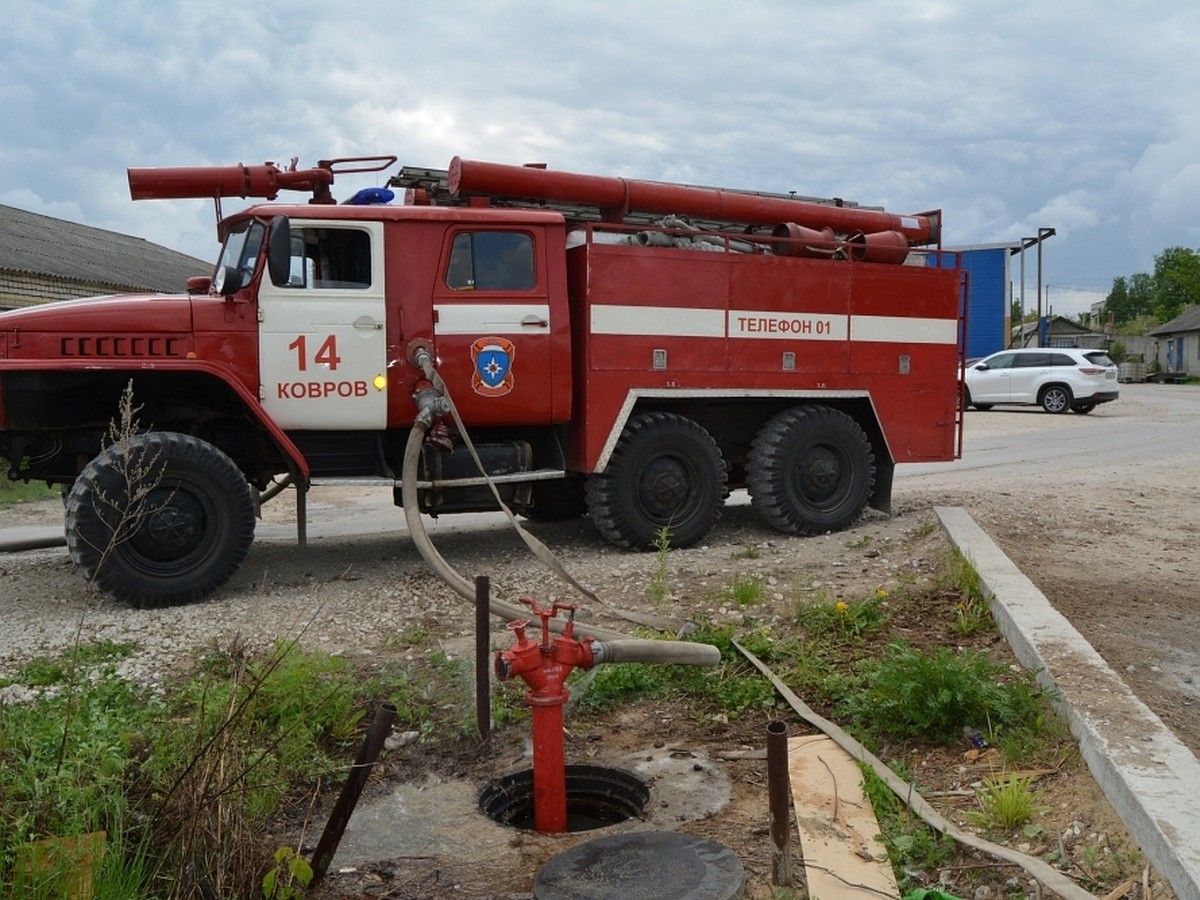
{"type": "Point", "coordinates": [666, 472]}
{"type": "Point", "coordinates": [1056, 398]}
{"type": "Point", "coordinates": [810, 470]}
{"type": "Point", "coordinates": [163, 521]}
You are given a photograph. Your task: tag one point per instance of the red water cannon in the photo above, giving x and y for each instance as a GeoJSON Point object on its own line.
{"type": "Point", "coordinates": [266, 180]}
{"type": "Point", "coordinates": [618, 197]}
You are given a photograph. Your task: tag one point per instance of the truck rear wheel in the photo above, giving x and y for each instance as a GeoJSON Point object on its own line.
{"type": "Point", "coordinates": [810, 470]}
{"type": "Point", "coordinates": [666, 472]}
{"type": "Point", "coordinates": [165, 520]}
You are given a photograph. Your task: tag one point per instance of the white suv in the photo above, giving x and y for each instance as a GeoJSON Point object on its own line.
{"type": "Point", "coordinates": [1054, 378]}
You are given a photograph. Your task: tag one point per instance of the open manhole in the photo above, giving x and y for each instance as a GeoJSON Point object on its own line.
{"type": "Point", "coordinates": [597, 796]}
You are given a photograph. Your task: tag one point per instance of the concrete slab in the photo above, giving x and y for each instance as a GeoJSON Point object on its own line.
{"type": "Point", "coordinates": [1148, 775]}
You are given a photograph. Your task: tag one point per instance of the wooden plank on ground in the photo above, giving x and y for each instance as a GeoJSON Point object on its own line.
{"type": "Point", "coordinates": [843, 856]}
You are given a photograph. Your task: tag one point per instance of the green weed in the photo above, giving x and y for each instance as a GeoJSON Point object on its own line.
{"type": "Point", "coordinates": [289, 876]}
{"type": "Point", "coordinates": [912, 845]}
{"type": "Point", "coordinates": [659, 588]}
{"type": "Point", "coordinates": [924, 529]}
{"type": "Point", "coordinates": [972, 616]}
{"type": "Point", "coordinates": [955, 572]}
{"type": "Point", "coordinates": [744, 590]}
{"type": "Point", "coordinates": [909, 693]}
{"type": "Point", "coordinates": [842, 621]}
{"type": "Point", "coordinates": [1006, 803]}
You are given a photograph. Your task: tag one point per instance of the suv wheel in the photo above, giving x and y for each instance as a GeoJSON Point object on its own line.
{"type": "Point", "coordinates": [1056, 398]}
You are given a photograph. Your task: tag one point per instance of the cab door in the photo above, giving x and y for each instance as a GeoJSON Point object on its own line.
{"type": "Point", "coordinates": [492, 326]}
{"type": "Point", "coordinates": [991, 384]}
{"type": "Point", "coordinates": [322, 336]}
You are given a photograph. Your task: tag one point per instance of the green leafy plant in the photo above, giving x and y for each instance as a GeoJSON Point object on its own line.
{"type": "Point", "coordinates": [909, 693]}
{"type": "Point", "coordinates": [288, 877]}
{"type": "Point", "coordinates": [911, 844]}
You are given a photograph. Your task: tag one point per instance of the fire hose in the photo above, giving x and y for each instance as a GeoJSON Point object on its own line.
{"type": "Point", "coordinates": [434, 400]}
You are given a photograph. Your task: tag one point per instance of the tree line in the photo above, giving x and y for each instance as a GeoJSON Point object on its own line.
{"type": "Point", "coordinates": [1151, 298]}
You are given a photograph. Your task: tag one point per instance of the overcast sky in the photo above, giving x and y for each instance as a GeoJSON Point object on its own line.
{"type": "Point", "coordinates": [1077, 115]}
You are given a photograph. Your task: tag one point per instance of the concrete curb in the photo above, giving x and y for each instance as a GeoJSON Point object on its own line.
{"type": "Point", "coordinates": [1148, 775]}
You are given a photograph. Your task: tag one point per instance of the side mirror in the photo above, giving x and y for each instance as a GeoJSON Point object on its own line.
{"type": "Point", "coordinates": [279, 251]}
{"type": "Point", "coordinates": [228, 281]}
{"type": "Point", "coordinates": [981, 367]}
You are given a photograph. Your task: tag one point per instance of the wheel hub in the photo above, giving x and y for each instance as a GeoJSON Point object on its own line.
{"type": "Point", "coordinates": [172, 528]}
{"type": "Point", "coordinates": [820, 474]}
{"type": "Point", "coordinates": [664, 486]}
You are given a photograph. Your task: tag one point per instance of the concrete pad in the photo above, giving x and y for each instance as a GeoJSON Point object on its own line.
{"type": "Point", "coordinates": [1148, 775]}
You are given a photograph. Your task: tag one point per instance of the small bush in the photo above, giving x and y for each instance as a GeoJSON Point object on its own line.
{"type": "Point", "coordinates": [908, 693]}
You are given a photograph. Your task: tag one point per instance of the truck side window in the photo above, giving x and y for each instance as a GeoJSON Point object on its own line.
{"type": "Point", "coordinates": [337, 258]}
{"type": "Point", "coordinates": [491, 261]}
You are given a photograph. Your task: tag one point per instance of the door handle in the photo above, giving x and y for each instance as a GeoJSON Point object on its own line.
{"type": "Point", "coordinates": [532, 321]}
{"type": "Point", "coordinates": [366, 323]}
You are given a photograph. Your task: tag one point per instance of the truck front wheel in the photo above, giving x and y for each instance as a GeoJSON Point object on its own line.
{"type": "Point", "coordinates": [666, 472]}
{"type": "Point", "coordinates": [810, 470]}
{"type": "Point", "coordinates": [164, 518]}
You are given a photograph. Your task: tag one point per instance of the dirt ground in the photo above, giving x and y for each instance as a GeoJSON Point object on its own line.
{"type": "Point", "coordinates": [1111, 551]}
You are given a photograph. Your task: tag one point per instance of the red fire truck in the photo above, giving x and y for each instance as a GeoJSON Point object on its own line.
{"type": "Point", "coordinates": [628, 350]}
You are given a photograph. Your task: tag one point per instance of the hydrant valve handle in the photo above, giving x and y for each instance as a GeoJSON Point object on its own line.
{"type": "Point", "coordinates": [518, 626]}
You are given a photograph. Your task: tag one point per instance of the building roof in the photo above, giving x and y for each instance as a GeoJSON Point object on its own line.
{"type": "Point", "coordinates": [1188, 320]}
{"type": "Point", "coordinates": [1059, 325]}
{"type": "Point", "coordinates": [41, 245]}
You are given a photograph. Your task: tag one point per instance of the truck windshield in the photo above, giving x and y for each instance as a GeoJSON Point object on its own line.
{"type": "Point", "coordinates": [242, 245]}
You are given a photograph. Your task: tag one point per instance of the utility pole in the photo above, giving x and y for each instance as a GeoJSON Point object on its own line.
{"type": "Point", "coordinates": [1042, 234]}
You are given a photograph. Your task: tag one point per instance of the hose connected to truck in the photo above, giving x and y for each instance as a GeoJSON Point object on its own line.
{"type": "Point", "coordinates": [433, 400]}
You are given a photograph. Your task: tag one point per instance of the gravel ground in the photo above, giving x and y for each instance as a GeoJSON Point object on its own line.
{"type": "Point", "coordinates": [1105, 531]}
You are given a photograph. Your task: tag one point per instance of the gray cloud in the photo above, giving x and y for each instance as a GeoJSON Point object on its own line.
{"type": "Point", "coordinates": [1071, 114]}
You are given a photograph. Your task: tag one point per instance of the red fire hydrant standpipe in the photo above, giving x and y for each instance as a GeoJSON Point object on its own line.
{"type": "Point", "coordinates": [545, 666]}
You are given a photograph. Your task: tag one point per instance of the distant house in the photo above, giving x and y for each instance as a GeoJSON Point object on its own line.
{"type": "Point", "coordinates": [1060, 332]}
{"type": "Point", "coordinates": [1178, 343]}
{"type": "Point", "coordinates": [44, 259]}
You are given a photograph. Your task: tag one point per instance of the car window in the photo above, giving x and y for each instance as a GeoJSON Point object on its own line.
{"type": "Point", "coordinates": [1061, 359]}
{"type": "Point", "coordinates": [1000, 361]}
{"type": "Point", "coordinates": [1099, 358]}
{"type": "Point", "coordinates": [1034, 360]}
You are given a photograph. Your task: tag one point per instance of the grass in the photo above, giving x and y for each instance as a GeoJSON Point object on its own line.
{"type": "Point", "coordinates": [14, 492]}
{"type": "Point", "coordinates": [1006, 804]}
{"type": "Point", "coordinates": [183, 781]}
